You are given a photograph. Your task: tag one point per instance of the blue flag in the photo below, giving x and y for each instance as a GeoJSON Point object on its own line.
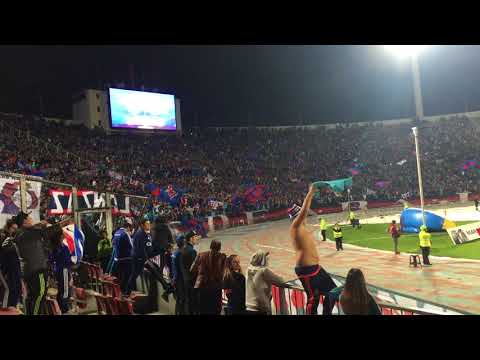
{"type": "Point", "coordinates": [171, 195]}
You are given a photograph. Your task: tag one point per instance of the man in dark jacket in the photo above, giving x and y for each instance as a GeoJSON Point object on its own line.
{"type": "Point", "coordinates": [61, 261]}
{"type": "Point", "coordinates": [10, 266]}
{"type": "Point", "coordinates": [162, 237]}
{"type": "Point", "coordinates": [122, 254]}
{"type": "Point", "coordinates": [161, 240]}
{"type": "Point", "coordinates": [32, 243]}
{"type": "Point", "coordinates": [177, 277]}
{"type": "Point", "coordinates": [142, 248]}
{"type": "Point", "coordinates": [188, 255]}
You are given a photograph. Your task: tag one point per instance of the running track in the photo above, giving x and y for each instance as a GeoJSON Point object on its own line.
{"type": "Point", "coordinates": [452, 282]}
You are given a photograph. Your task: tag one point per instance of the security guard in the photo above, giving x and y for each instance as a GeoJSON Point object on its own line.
{"type": "Point", "coordinates": [353, 220]}
{"type": "Point", "coordinates": [323, 229]}
{"type": "Point", "coordinates": [425, 244]}
{"type": "Point", "coordinates": [338, 236]}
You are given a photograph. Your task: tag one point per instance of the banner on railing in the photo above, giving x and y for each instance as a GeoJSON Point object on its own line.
{"type": "Point", "coordinates": [465, 233]}
{"type": "Point", "coordinates": [10, 200]}
{"type": "Point", "coordinates": [60, 202]}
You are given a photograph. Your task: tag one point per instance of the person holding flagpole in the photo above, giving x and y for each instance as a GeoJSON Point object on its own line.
{"type": "Point", "coordinates": [315, 280]}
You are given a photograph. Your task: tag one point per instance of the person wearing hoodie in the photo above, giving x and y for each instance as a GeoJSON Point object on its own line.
{"type": "Point", "coordinates": [208, 270]}
{"type": "Point", "coordinates": [259, 284]}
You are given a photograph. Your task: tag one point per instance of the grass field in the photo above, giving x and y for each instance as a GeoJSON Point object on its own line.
{"type": "Point", "coordinates": [375, 236]}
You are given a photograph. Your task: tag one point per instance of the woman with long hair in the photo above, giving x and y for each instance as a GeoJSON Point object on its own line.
{"type": "Point", "coordinates": [234, 285]}
{"type": "Point", "coordinates": [355, 299]}
{"type": "Point", "coordinates": [208, 270]}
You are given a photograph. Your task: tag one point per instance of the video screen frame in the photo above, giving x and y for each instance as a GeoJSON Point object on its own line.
{"type": "Point", "coordinates": [130, 129]}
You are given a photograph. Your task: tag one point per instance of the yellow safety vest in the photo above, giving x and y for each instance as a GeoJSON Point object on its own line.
{"type": "Point", "coordinates": [425, 239]}
{"type": "Point", "coordinates": [323, 224]}
{"type": "Point", "coordinates": [352, 215]}
{"type": "Point", "coordinates": [337, 232]}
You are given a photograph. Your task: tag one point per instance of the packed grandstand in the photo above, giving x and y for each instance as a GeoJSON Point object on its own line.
{"type": "Point", "coordinates": [232, 171]}
{"type": "Point", "coordinates": [214, 163]}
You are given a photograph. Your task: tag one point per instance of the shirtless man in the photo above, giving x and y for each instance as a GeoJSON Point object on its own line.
{"type": "Point", "coordinates": [314, 278]}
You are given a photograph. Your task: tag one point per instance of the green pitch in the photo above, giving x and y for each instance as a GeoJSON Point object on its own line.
{"type": "Point", "coordinates": [375, 236]}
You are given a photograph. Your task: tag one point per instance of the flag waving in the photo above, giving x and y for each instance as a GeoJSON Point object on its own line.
{"type": "Point", "coordinates": [74, 238]}
{"type": "Point", "coordinates": [337, 186]}
{"type": "Point", "coordinates": [171, 195]}
{"type": "Point", "coordinates": [255, 193]}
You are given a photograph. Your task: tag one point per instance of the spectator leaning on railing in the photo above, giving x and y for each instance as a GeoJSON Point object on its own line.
{"type": "Point", "coordinates": [259, 284]}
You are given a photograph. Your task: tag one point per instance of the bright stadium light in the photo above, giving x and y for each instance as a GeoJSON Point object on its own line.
{"type": "Point", "coordinates": [404, 51]}
{"type": "Point", "coordinates": [412, 52]}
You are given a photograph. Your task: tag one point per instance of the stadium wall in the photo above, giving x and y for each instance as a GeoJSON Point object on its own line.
{"type": "Point", "coordinates": [258, 217]}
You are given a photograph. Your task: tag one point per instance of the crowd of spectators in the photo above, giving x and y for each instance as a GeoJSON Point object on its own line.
{"type": "Point", "coordinates": [216, 164]}
{"type": "Point", "coordinates": [213, 164]}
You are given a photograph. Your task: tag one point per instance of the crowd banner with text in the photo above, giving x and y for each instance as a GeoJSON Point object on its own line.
{"type": "Point", "coordinates": [60, 202]}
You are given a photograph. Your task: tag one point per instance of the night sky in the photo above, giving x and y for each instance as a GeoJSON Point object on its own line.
{"type": "Point", "coordinates": [242, 85]}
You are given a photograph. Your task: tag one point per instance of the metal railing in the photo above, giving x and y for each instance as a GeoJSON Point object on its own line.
{"type": "Point", "coordinates": [290, 299]}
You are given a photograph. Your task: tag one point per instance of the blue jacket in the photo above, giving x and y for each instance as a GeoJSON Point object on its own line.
{"type": "Point", "coordinates": [142, 245]}
{"type": "Point", "coordinates": [122, 244]}
{"type": "Point", "coordinates": [61, 259]}
{"type": "Point", "coordinates": [176, 263]}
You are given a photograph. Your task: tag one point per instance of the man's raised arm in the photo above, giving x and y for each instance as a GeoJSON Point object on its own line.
{"type": "Point", "coordinates": [305, 207]}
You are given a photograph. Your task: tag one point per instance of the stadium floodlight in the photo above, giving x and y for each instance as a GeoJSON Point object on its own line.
{"type": "Point", "coordinates": [412, 52]}
{"type": "Point", "coordinates": [404, 51]}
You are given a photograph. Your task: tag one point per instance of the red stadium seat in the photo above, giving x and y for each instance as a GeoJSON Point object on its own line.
{"type": "Point", "coordinates": [52, 306]}
{"type": "Point", "coordinates": [101, 304]}
{"type": "Point", "coordinates": [9, 311]}
{"type": "Point", "coordinates": [80, 297]}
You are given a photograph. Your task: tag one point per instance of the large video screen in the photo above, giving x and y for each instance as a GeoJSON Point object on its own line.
{"type": "Point", "coordinates": [142, 110]}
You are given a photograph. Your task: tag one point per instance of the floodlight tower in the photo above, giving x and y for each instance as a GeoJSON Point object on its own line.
{"type": "Point", "coordinates": [412, 52]}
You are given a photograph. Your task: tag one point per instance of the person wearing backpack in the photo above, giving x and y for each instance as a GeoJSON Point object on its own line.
{"type": "Point", "coordinates": [394, 230]}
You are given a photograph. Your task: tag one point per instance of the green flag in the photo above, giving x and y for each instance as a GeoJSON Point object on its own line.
{"type": "Point", "coordinates": [337, 186]}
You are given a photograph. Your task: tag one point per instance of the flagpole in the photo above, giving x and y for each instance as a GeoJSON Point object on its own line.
{"type": "Point", "coordinates": [419, 171]}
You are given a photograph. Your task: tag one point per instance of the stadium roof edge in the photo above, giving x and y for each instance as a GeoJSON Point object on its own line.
{"type": "Point", "coordinates": [392, 122]}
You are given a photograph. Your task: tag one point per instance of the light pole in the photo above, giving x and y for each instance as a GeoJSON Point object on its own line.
{"type": "Point", "coordinates": [412, 52]}
{"type": "Point", "coordinates": [419, 172]}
